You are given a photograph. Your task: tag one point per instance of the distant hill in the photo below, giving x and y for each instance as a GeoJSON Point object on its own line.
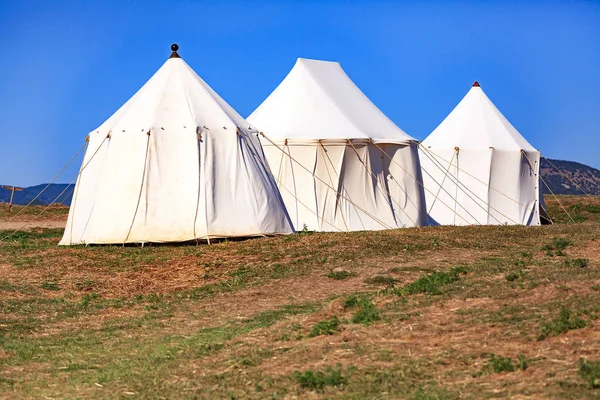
{"type": "Point", "coordinates": [587, 178]}
{"type": "Point", "coordinates": [50, 195]}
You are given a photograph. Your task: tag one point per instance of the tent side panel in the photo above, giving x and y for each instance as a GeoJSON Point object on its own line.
{"type": "Point", "coordinates": [367, 200]}
{"type": "Point", "coordinates": [119, 189]}
{"type": "Point", "coordinates": [438, 168]}
{"type": "Point", "coordinates": [84, 195]}
{"type": "Point", "coordinates": [330, 190]}
{"type": "Point", "coordinates": [171, 187]}
{"type": "Point", "coordinates": [529, 183]}
{"type": "Point", "coordinates": [405, 182]}
{"type": "Point", "coordinates": [506, 187]}
{"type": "Point", "coordinates": [473, 178]}
{"type": "Point", "coordinates": [240, 201]}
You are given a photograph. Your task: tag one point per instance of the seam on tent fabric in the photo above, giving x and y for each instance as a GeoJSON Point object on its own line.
{"type": "Point", "coordinates": [242, 141]}
{"type": "Point", "coordinates": [200, 158]}
{"type": "Point", "coordinates": [400, 186]}
{"type": "Point", "coordinates": [339, 176]}
{"type": "Point", "coordinates": [141, 188]}
{"type": "Point", "coordinates": [420, 183]}
{"type": "Point", "coordinates": [337, 203]}
{"type": "Point", "coordinates": [555, 198]}
{"type": "Point", "coordinates": [278, 180]}
{"type": "Point", "coordinates": [457, 185]}
{"type": "Point", "coordinates": [490, 181]}
{"type": "Point", "coordinates": [464, 188]}
{"type": "Point", "coordinates": [302, 166]}
{"type": "Point", "coordinates": [382, 190]}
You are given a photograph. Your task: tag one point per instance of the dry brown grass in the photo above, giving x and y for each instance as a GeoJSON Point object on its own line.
{"type": "Point", "coordinates": [233, 319]}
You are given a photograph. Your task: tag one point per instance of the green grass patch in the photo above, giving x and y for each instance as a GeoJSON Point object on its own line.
{"type": "Point", "coordinates": [434, 282]}
{"type": "Point", "coordinates": [50, 286]}
{"type": "Point", "coordinates": [367, 312]}
{"type": "Point", "coordinates": [326, 327]}
{"type": "Point", "coordinates": [578, 263]}
{"type": "Point", "coordinates": [589, 371]}
{"type": "Point", "coordinates": [317, 380]}
{"type": "Point", "coordinates": [497, 364]}
{"type": "Point", "coordinates": [557, 246]}
{"type": "Point", "coordinates": [381, 280]}
{"type": "Point", "coordinates": [566, 321]}
{"type": "Point", "coordinates": [340, 274]}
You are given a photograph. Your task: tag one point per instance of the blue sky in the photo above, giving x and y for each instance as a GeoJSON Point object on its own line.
{"type": "Point", "coordinates": [66, 66]}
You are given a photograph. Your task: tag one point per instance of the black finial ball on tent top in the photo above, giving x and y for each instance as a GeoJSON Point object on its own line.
{"type": "Point", "coordinates": [174, 47]}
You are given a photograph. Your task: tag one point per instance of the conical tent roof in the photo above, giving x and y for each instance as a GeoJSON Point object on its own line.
{"type": "Point", "coordinates": [174, 94]}
{"type": "Point", "coordinates": [476, 123]}
{"type": "Point", "coordinates": [318, 101]}
{"type": "Point", "coordinates": [174, 163]}
{"type": "Point", "coordinates": [478, 169]}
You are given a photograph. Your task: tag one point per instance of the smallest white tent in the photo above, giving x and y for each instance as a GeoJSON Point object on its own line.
{"type": "Point", "coordinates": [479, 170]}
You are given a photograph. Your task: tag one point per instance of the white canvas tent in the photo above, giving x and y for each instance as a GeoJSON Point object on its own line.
{"type": "Point", "coordinates": [174, 163]}
{"type": "Point", "coordinates": [340, 163]}
{"type": "Point", "coordinates": [478, 169]}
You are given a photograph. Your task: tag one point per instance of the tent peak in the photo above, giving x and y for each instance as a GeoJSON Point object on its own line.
{"type": "Point", "coordinates": [315, 61]}
{"type": "Point", "coordinates": [174, 48]}
{"type": "Point", "coordinates": [476, 84]}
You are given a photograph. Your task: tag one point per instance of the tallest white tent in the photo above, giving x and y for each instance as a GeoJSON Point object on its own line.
{"type": "Point", "coordinates": [478, 169]}
{"type": "Point", "coordinates": [174, 163]}
{"type": "Point", "coordinates": [340, 163]}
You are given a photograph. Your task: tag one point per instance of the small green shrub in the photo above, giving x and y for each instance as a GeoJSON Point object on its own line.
{"type": "Point", "coordinates": [590, 372]}
{"type": "Point", "coordinates": [566, 321]}
{"type": "Point", "coordinates": [515, 275]}
{"type": "Point", "coordinates": [579, 263]}
{"type": "Point", "coordinates": [557, 246]}
{"type": "Point", "coordinates": [340, 275]}
{"type": "Point", "coordinates": [351, 302]}
{"type": "Point", "coordinates": [50, 286]}
{"type": "Point", "coordinates": [500, 364]}
{"type": "Point", "coordinates": [366, 315]}
{"type": "Point", "coordinates": [381, 280]}
{"type": "Point", "coordinates": [367, 312]}
{"type": "Point", "coordinates": [497, 364]}
{"type": "Point", "coordinates": [317, 380]}
{"type": "Point", "coordinates": [432, 283]}
{"type": "Point", "coordinates": [431, 393]}
{"type": "Point", "coordinates": [327, 327]}
{"type": "Point", "coordinates": [592, 208]}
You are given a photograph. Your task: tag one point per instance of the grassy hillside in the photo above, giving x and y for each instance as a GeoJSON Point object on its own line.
{"type": "Point", "coordinates": [61, 193]}
{"type": "Point", "coordinates": [432, 313]}
{"type": "Point", "coordinates": [572, 178]}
